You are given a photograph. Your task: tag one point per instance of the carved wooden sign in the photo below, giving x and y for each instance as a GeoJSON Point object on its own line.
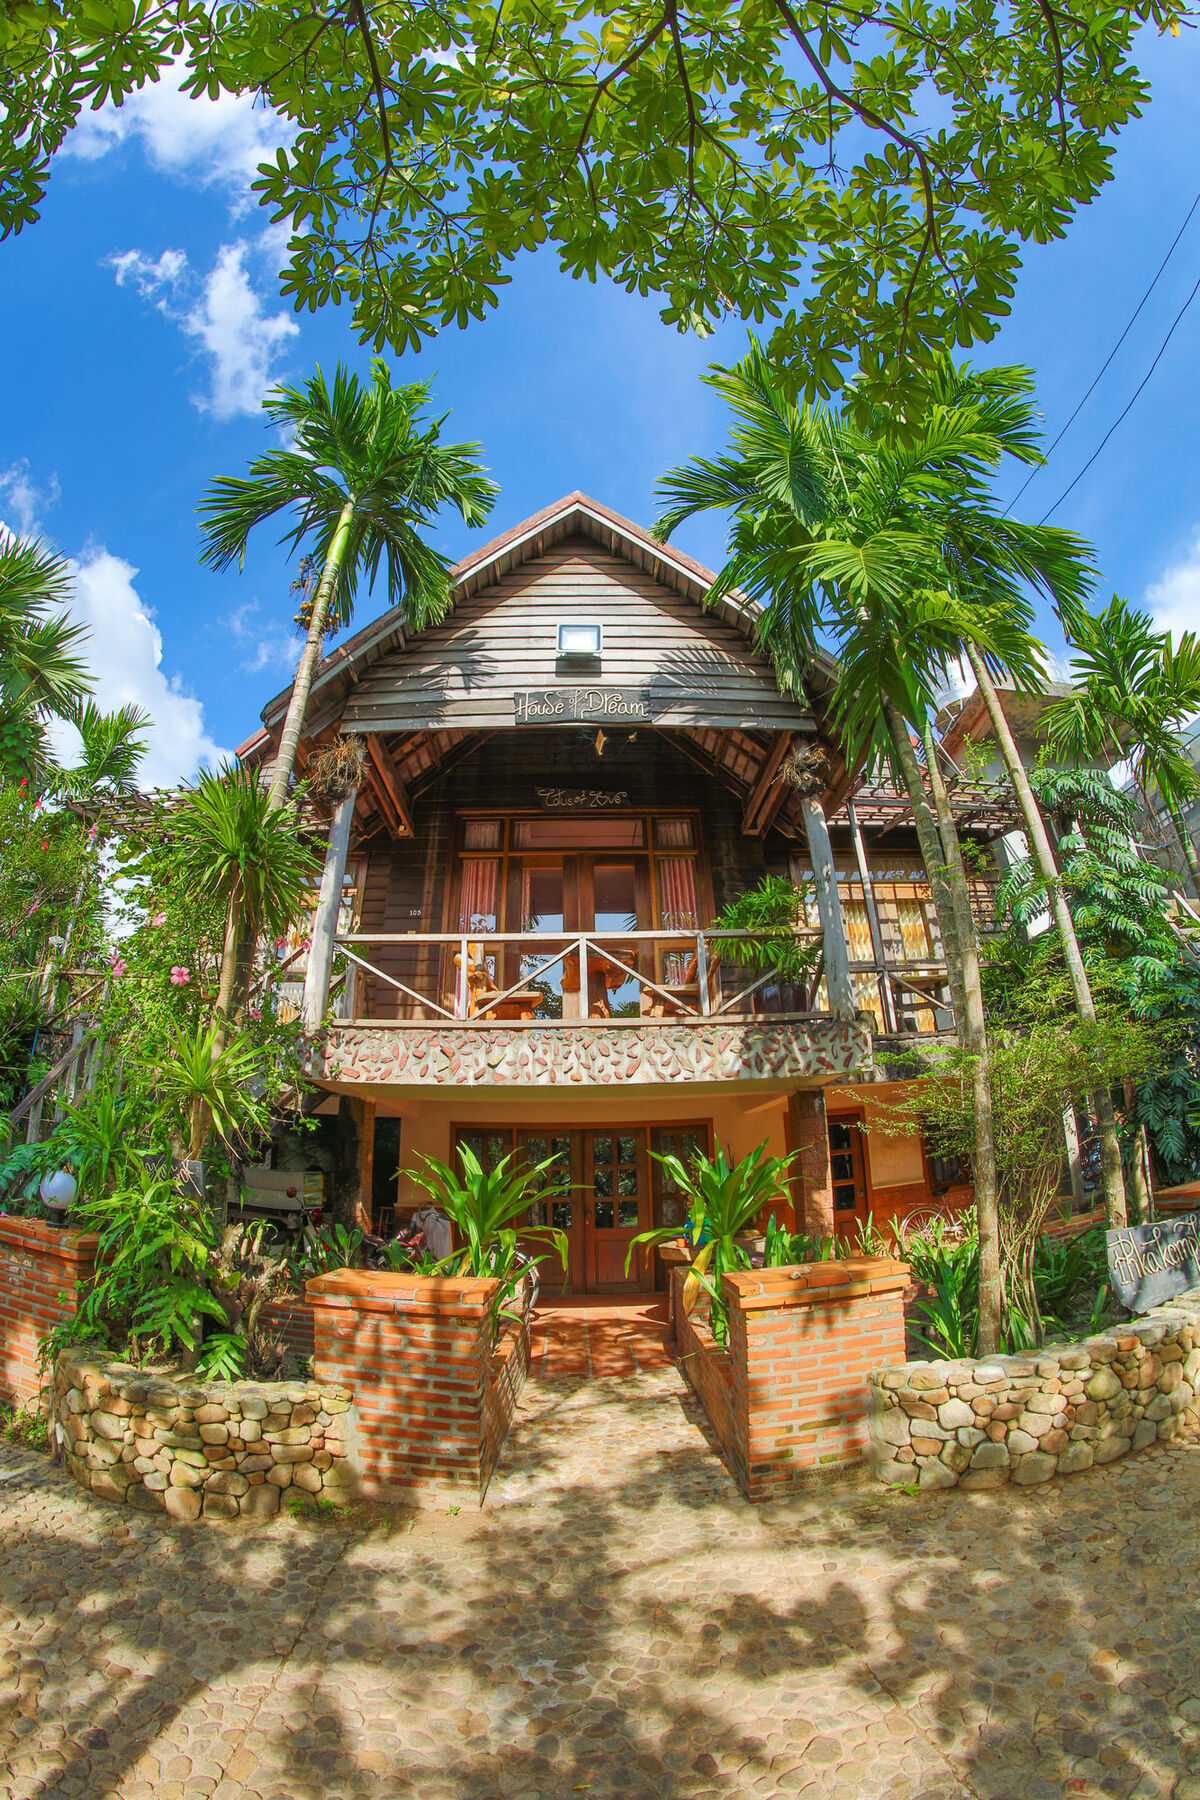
{"type": "Point", "coordinates": [583, 706]}
{"type": "Point", "coordinates": [1151, 1263]}
{"type": "Point", "coordinates": [573, 799]}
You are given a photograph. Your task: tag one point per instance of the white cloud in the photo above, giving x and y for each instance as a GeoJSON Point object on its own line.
{"type": "Point", "coordinates": [220, 312]}
{"type": "Point", "coordinates": [149, 277]}
{"type": "Point", "coordinates": [124, 653]}
{"type": "Point", "coordinates": [267, 645]}
{"type": "Point", "coordinates": [213, 142]}
{"type": "Point", "coordinates": [1174, 599]}
{"type": "Point", "coordinates": [240, 337]}
{"type": "Point", "coordinates": [23, 499]}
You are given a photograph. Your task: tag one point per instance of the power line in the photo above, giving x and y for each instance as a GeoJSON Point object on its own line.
{"type": "Point", "coordinates": [1038, 467]}
{"type": "Point", "coordinates": [1128, 408]}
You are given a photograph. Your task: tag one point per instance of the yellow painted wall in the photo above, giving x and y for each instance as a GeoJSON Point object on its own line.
{"type": "Point", "coordinates": [739, 1122]}
{"type": "Point", "coordinates": [891, 1161]}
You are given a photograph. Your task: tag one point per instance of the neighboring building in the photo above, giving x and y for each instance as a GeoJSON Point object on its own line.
{"type": "Point", "coordinates": [564, 783]}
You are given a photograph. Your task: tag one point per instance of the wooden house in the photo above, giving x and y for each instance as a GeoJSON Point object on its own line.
{"type": "Point", "coordinates": [563, 785]}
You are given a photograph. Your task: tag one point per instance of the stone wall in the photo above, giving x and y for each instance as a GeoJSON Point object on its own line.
{"type": "Point", "coordinates": [199, 1448]}
{"type": "Point", "coordinates": [789, 1394]}
{"type": "Point", "coordinates": [40, 1266]}
{"type": "Point", "coordinates": [609, 1053]}
{"type": "Point", "coordinates": [1063, 1409]}
{"type": "Point", "coordinates": [434, 1394]}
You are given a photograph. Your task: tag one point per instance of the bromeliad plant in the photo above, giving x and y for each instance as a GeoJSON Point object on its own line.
{"type": "Point", "coordinates": [484, 1205]}
{"type": "Point", "coordinates": [723, 1199]}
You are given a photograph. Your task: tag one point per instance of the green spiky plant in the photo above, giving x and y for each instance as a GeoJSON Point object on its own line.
{"type": "Point", "coordinates": [483, 1205]}
{"type": "Point", "coordinates": [723, 1198]}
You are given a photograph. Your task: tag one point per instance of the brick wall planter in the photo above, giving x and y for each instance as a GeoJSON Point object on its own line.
{"type": "Point", "coordinates": [199, 1449]}
{"type": "Point", "coordinates": [434, 1396]}
{"type": "Point", "coordinates": [291, 1319]}
{"type": "Point", "coordinates": [983, 1422]}
{"type": "Point", "coordinates": [40, 1266]}
{"type": "Point", "coordinates": [789, 1395]}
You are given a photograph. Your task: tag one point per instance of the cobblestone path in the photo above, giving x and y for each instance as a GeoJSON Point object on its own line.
{"type": "Point", "coordinates": [616, 1623]}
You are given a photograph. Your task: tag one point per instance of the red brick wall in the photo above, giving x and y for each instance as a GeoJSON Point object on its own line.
{"type": "Point", "coordinates": [39, 1268]}
{"type": "Point", "coordinates": [291, 1320]}
{"type": "Point", "coordinates": [812, 1179]}
{"type": "Point", "coordinates": [433, 1396]}
{"type": "Point", "coordinates": [706, 1364]}
{"type": "Point", "coordinates": [803, 1343]}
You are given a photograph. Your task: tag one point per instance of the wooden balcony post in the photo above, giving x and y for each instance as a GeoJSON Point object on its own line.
{"type": "Point", "coordinates": [843, 1002]}
{"type": "Point", "coordinates": [324, 928]}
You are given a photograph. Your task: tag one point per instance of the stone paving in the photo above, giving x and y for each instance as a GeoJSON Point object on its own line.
{"type": "Point", "coordinates": [616, 1623]}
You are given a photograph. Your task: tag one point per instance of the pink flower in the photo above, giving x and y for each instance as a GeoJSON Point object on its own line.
{"type": "Point", "coordinates": [179, 976]}
{"type": "Point", "coordinates": [158, 918]}
{"type": "Point", "coordinates": [117, 964]}
{"type": "Point", "coordinates": [281, 943]}
{"type": "Point", "coordinates": [306, 944]}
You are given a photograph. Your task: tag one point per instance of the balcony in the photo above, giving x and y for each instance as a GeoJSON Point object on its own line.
{"type": "Point", "coordinates": [534, 1009]}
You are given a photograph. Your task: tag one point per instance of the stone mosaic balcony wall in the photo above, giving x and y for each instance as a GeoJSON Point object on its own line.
{"type": "Point", "coordinates": [980, 1423]}
{"type": "Point", "coordinates": [199, 1448]}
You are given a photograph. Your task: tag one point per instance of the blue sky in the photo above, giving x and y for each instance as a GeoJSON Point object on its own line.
{"type": "Point", "coordinates": [143, 324]}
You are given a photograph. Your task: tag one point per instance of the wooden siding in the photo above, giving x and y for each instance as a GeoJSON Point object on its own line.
{"type": "Point", "coordinates": [698, 670]}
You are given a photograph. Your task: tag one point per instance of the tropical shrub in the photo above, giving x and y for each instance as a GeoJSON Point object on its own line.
{"type": "Point", "coordinates": [723, 1199]}
{"type": "Point", "coordinates": [484, 1205]}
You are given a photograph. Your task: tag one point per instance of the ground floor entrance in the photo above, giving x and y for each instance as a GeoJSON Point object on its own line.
{"type": "Point", "coordinates": [601, 1187]}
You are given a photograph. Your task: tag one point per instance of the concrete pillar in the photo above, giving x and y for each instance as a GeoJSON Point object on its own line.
{"type": "Point", "coordinates": [843, 1002]}
{"type": "Point", "coordinates": [812, 1177]}
{"type": "Point", "coordinates": [354, 1158]}
{"type": "Point", "coordinates": [324, 929]}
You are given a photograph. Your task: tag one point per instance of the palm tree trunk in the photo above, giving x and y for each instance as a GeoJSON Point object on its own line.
{"type": "Point", "coordinates": [285, 760]}
{"type": "Point", "coordinates": [974, 1036]}
{"type": "Point", "coordinates": [229, 963]}
{"type": "Point", "coordinates": [1186, 845]}
{"type": "Point", "coordinates": [968, 1014]}
{"type": "Point", "coordinates": [1043, 857]}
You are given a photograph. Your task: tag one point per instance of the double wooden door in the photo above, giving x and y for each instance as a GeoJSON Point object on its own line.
{"type": "Point", "coordinates": [597, 1191]}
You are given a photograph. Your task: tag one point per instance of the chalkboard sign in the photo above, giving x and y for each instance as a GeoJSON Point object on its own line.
{"type": "Point", "coordinates": [1148, 1264]}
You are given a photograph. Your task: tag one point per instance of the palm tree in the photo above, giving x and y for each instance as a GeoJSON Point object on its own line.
{"type": "Point", "coordinates": [363, 475]}
{"type": "Point", "coordinates": [113, 747]}
{"type": "Point", "coordinates": [232, 846]}
{"type": "Point", "coordinates": [1135, 690]}
{"type": "Point", "coordinates": [41, 674]}
{"type": "Point", "coordinates": [830, 533]}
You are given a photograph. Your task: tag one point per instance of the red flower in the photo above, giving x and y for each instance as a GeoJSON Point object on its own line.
{"type": "Point", "coordinates": [45, 845]}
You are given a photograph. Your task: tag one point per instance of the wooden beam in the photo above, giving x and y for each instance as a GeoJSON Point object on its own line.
{"type": "Point", "coordinates": [768, 792]}
{"type": "Point", "coordinates": [389, 777]}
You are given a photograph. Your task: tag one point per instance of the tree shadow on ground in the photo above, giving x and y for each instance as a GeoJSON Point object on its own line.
{"type": "Point", "coordinates": [618, 1622]}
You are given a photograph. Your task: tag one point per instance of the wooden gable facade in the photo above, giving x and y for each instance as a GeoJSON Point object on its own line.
{"type": "Point", "coordinates": [667, 666]}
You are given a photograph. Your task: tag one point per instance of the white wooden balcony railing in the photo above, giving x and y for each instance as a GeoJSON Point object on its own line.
{"type": "Point", "coordinates": [553, 978]}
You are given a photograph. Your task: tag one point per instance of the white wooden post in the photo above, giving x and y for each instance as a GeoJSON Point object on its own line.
{"type": "Point", "coordinates": [324, 929]}
{"type": "Point", "coordinates": [843, 1002]}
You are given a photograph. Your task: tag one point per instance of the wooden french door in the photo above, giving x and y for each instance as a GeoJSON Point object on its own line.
{"type": "Point", "coordinates": [597, 1191]}
{"type": "Point", "coordinates": [617, 1205]}
{"type": "Point", "coordinates": [561, 1205]}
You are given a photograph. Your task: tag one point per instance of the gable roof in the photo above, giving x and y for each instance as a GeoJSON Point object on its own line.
{"type": "Point", "coordinates": [576, 517]}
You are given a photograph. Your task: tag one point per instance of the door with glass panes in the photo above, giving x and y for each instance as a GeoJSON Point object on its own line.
{"type": "Point", "coordinates": [847, 1168]}
{"type": "Point", "coordinates": [595, 1189]}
